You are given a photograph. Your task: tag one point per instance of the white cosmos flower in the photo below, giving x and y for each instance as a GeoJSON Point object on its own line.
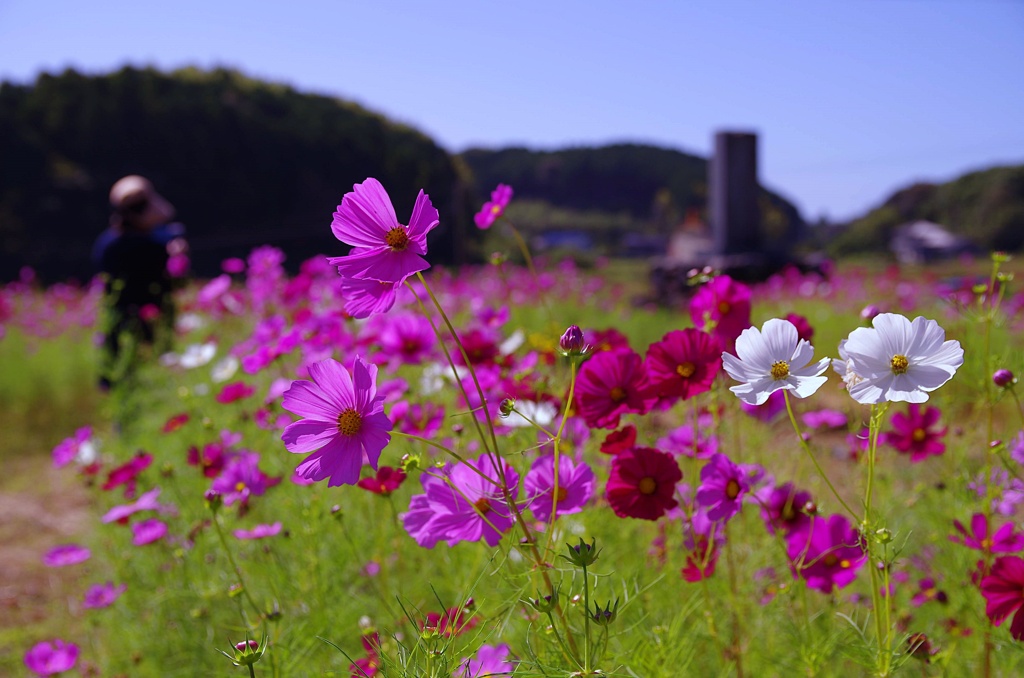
{"type": "Point", "coordinates": [898, 360]}
{"type": "Point", "coordinates": [197, 355]}
{"type": "Point", "coordinates": [772, 359]}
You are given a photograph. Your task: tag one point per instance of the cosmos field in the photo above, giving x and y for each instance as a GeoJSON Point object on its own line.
{"type": "Point", "coordinates": [380, 468]}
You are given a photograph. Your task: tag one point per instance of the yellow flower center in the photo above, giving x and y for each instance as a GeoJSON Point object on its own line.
{"type": "Point", "coordinates": [618, 394]}
{"type": "Point", "coordinates": [397, 239]}
{"type": "Point", "coordinates": [495, 209]}
{"type": "Point", "coordinates": [349, 422]}
{"type": "Point", "coordinates": [919, 435]}
{"type": "Point", "coordinates": [732, 489]}
{"type": "Point", "coordinates": [780, 370]}
{"type": "Point", "coordinates": [239, 486]}
{"type": "Point", "coordinates": [686, 370]}
{"type": "Point", "coordinates": [648, 486]}
{"type": "Point", "coordinates": [899, 364]}
{"type": "Point", "coordinates": [483, 505]}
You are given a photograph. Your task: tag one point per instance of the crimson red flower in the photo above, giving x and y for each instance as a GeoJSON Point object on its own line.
{"type": "Point", "coordinates": [234, 391]}
{"type": "Point", "coordinates": [610, 384]}
{"type": "Point", "coordinates": [126, 473]}
{"type": "Point", "coordinates": [642, 483]}
{"type": "Point", "coordinates": [385, 482]}
{"type": "Point", "coordinates": [917, 433]}
{"type": "Point", "coordinates": [683, 364]}
{"type": "Point", "coordinates": [619, 441]}
{"type": "Point", "coordinates": [175, 422]}
{"type": "Point", "coordinates": [803, 327]}
{"type": "Point", "coordinates": [1003, 589]}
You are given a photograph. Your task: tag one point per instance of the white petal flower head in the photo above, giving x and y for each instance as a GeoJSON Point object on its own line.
{"type": "Point", "coordinates": [772, 359]}
{"type": "Point", "coordinates": [897, 360]}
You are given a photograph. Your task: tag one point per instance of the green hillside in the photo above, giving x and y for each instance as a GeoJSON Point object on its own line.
{"type": "Point", "coordinates": [986, 207]}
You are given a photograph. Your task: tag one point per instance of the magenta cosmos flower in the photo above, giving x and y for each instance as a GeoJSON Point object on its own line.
{"type": "Point", "coordinates": [723, 485]}
{"type": "Point", "coordinates": [79, 445]}
{"type": "Point", "coordinates": [1003, 589]}
{"type": "Point", "coordinates": [917, 433]}
{"type": "Point", "coordinates": [722, 307]}
{"type": "Point", "coordinates": [148, 531]}
{"type": "Point", "coordinates": [344, 424]}
{"type": "Point", "coordinates": [828, 554]}
{"type": "Point", "coordinates": [575, 486]}
{"type": "Point", "coordinates": [491, 660]}
{"type": "Point", "coordinates": [102, 595]}
{"type": "Point", "coordinates": [382, 248]}
{"type": "Point", "coordinates": [642, 483]}
{"type": "Point", "coordinates": [493, 209]}
{"type": "Point", "coordinates": [1004, 540]}
{"type": "Point", "coordinates": [683, 364]}
{"type": "Point", "coordinates": [259, 532]}
{"type": "Point", "coordinates": [465, 504]}
{"type": "Point", "coordinates": [611, 384]}
{"type": "Point", "coordinates": [50, 658]}
{"type": "Point", "coordinates": [66, 554]}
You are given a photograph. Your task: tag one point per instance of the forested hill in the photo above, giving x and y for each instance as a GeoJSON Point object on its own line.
{"type": "Point", "coordinates": [986, 207]}
{"type": "Point", "coordinates": [650, 186]}
{"type": "Point", "coordinates": [248, 163]}
{"type": "Point", "coordinates": [244, 162]}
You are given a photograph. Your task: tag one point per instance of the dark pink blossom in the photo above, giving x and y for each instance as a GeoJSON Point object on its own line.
{"type": "Point", "coordinates": [723, 485]}
{"type": "Point", "coordinates": [51, 658]}
{"type": "Point", "coordinates": [1004, 540]}
{"type": "Point", "coordinates": [494, 208]}
{"type": "Point", "coordinates": [828, 554]}
{"type": "Point", "coordinates": [127, 473]}
{"type": "Point", "coordinates": [683, 364]}
{"type": "Point", "coordinates": [642, 483]}
{"type": "Point", "coordinates": [382, 248]}
{"type": "Point", "coordinates": [610, 384]}
{"type": "Point", "coordinates": [242, 478]}
{"type": "Point", "coordinates": [102, 595]}
{"type": "Point", "coordinates": [917, 433]}
{"type": "Point", "coordinates": [785, 508]}
{"type": "Point", "coordinates": [344, 424]}
{"type": "Point", "coordinates": [575, 486]}
{"type": "Point", "coordinates": [148, 531]}
{"type": "Point", "coordinates": [722, 307]}
{"type": "Point", "coordinates": [385, 482]}
{"type": "Point", "coordinates": [234, 391]}
{"type": "Point", "coordinates": [1003, 590]}
{"type": "Point", "coordinates": [66, 554]}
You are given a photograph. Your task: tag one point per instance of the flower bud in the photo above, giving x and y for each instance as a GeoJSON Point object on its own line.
{"type": "Point", "coordinates": [883, 536]}
{"type": "Point", "coordinates": [1003, 378]}
{"type": "Point", "coordinates": [505, 408]}
{"type": "Point", "coordinates": [869, 312]}
{"type": "Point", "coordinates": [604, 617]}
{"type": "Point", "coordinates": [249, 644]}
{"type": "Point", "coordinates": [213, 500]}
{"type": "Point", "coordinates": [573, 343]}
{"type": "Point", "coordinates": [545, 604]}
{"type": "Point", "coordinates": [583, 554]}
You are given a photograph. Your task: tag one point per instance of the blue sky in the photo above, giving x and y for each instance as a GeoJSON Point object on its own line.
{"type": "Point", "coordinates": [852, 99]}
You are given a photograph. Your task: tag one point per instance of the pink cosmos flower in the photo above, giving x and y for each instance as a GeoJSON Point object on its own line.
{"type": "Point", "coordinates": [725, 304]}
{"type": "Point", "coordinates": [464, 506]}
{"type": "Point", "coordinates": [365, 297]}
{"type": "Point", "coordinates": [491, 660]}
{"type": "Point", "coordinates": [102, 595]}
{"type": "Point", "coordinates": [723, 484]}
{"type": "Point", "coordinates": [382, 248]}
{"type": "Point", "coordinates": [1004, 540]}
{"type": "Point", "coordinates": [344, 424]}
{"type": "Point", "coordinates": [824, 419]}
{"type": "Point", "coordinates": [259, 532]}
{"type": "Point", "coordinates": [69, 448]}
{"type": "Point", "coordinates": [803, 326]}
{"type": "Point", "coordinates": [242, 478]}
{"type": "Point", "coordinates": [1003, 589]}
{"type": "Point", "coordinates": [917, 432]}
{"type": "Point", "coordinates": [642, 483]}
{"type": "Point", "coordinates": [419, 419]}
{"type": "Point", "coordinates": [148, 531]}
{"type": "Point", "coordinates": [66, 554]}
{"type": "Point", "coordinates": [51, 658]}
{"type": "Point", "coordinates": [828, 554]}
{"type": "Point", "coordinates": [126, 474]}
{"type": "Point", "coordinates": [493, 209]}
{"type": "Point", "coordinates": [611, 384]}
{"type": "Point", "coordinates": [146, 502]}
{"type": "Point", "coordinates": [683, 364]}
{"type": "Point", "coordinates": [784, 507]}
{"type": "Point", "coordinates": [681, 440]}
{"type": "Point", "coordinates": [927, 591]}
{"type": "Point", "coordinates": [575, 486]}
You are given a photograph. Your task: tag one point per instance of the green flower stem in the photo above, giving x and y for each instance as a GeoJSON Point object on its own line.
{"type": "Point", "coordinates": [450, 452]}
{"type": "Point", "coordinates": [252, 671]}
{"type": "Point", "coordinates": [522, 246]}
{"type": "Point", "coordinates": [586, 622]}
{"type": "Point", "coordinates": [878, 605]}
{"type": "Point", "coordinates": [557, 468]}
{"type": "Point", "coordinates": [807, 449]}
{"type": "Point", "coordinates": [737, 643]}
{"type": "Point", "coordinates": [234, 566]}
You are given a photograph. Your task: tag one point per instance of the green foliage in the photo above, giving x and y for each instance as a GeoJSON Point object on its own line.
{"type": "Point", "coordinates": [987, 207]}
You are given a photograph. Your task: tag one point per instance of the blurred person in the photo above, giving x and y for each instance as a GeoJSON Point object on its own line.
{"type": "Point", "coordinates": [133, 253]}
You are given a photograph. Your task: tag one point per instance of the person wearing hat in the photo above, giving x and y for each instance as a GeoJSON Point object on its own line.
{"type": "Point", "coordinates": [133, 255]}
